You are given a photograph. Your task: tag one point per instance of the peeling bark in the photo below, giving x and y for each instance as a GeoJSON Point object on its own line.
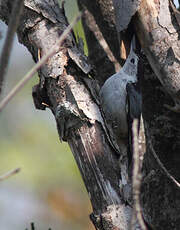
{"type": "Point", "coordinates": [64, 88]}
{"type": "Point", "coordinates": [158, 31]}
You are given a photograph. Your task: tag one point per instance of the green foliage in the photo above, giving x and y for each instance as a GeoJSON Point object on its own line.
{"type": "Point", "coordinates": [71, 10]}
{"type": "Point", "coordinates": [35, 148]}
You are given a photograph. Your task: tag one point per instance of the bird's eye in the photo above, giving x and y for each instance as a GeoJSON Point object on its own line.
{"type": "Point", "coordinates": [132, 60]}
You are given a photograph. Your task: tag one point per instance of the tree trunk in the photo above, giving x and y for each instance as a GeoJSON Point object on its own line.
{"type": "Point", "coordinates": [72, 96]}
{"type": "Point", "coordinates": [158, 31]}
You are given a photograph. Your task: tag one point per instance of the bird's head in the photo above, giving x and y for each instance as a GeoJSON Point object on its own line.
{"type": "Point", "coordinates": [131, 65]}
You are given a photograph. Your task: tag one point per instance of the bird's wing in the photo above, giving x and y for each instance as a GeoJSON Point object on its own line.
{"type": "Point", "coordinates": [133, 107]}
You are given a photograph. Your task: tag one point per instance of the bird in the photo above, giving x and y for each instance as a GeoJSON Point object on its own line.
{"type": "Point", "coordinates": [120, 100]}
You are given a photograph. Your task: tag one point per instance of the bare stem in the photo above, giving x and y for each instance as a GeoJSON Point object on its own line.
{"type": "Point", "coordinates": [10, 173]}
{"type": "Point", "coordinates": [31, 73]}
{"type": "Point", "coordinates": [136, 181]}
{"type": "Point", "coordinates": [13, 23]}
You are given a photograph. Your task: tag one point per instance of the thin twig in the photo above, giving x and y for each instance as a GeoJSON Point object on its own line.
{"type": "Point", "coordinates": [31, 73]}
{"type": "Point", "coordinates": [13, 23]}
{"type": "Point", "coordinates": [162, 167]}
{"type": "Point", "coordinates": [100, 38]}
{"type": "Point", "coordinates": [136, 181]}
{"type": "Point", "coordinates": [10, 173]}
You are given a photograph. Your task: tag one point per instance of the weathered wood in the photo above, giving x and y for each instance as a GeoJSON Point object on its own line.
{"type": "Point", "coordinates": [157, 28]}
{"type": "Point", "coordinates": [158, 31]}
{"type": "Point", "coordinates": [101, 36]}
{"type": "Point", "coordinates": [4, 58]}
{"type": "Point", "coordinates": [64, 88]}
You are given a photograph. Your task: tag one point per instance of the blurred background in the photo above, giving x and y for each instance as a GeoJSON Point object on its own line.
{"type": "Point", "coordinates": [48, 190]}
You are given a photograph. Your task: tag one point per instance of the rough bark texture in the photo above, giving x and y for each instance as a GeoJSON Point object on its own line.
{"type": "Point", "coordinates": [72, 97]}
{"type": "Point", "coordinates": [158, 31]}
{"type": "Point", "coordinates": [102, 38]}
{"type": "Point", "coordinates": [160, 192]}
{"type": "Point", "coordinates": [157, 26]}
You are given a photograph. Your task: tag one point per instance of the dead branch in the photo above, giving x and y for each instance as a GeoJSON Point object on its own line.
{"type": "Point", "coordinates": [136, 181]}
{"type": "Point", "coordinates": [70, 94]}
{"type": "Point", "coordinates": [158, 29]}
{"type": "Point", "coordinates": [41, 62]}
{"type": "Point", "coordinates": [13, 23]}
{"type": "Point", "coordinates": [9, 174]}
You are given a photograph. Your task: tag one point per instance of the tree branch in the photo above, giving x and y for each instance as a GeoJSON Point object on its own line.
{"type": "Point", "coordinates": [98, 24]}
{"type": "Point", "coordinates": [162, 139]}
{"type": "Point", "coordinates": [14, 19]}
{"type": "Point", "coordinates": [71, 95]}
{"type": "Point", "coordinates": [42, 61]}
{"type": "Point", "coordinates": [136, 180]}
{"type": "Point", "coordinates": [9, 174]}
{"type": "Point", "coordinates": [157, 27]}
{"type": "Point", "coordinates": [158, 31]}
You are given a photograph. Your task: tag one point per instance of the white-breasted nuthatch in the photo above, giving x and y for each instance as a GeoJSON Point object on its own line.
{"type": "Point", "coordinates": [121, 102]}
